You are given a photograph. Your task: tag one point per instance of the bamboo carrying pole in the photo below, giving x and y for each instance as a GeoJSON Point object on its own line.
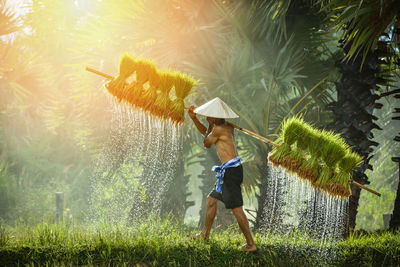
{"type": "Point", "coordinates": [100, 73]}
{"type": "Point", "coordinates": [259, 137]}
{"type": "Point", "coordinates": [366, 188]}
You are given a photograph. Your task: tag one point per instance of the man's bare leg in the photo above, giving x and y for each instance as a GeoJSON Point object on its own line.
{"type": "Point", "coordinates": [244, 226]}
{"type": "Point", "coordinates": [211, 211]}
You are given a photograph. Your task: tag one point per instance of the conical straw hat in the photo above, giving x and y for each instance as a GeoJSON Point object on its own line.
{"type": "Point", "coordinates": [216, 108]}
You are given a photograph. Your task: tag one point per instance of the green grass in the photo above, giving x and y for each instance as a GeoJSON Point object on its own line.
{"type": "Point", "coordinates": [157, 243]}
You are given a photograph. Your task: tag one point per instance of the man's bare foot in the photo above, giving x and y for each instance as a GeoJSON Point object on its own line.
{"type": "Point", "coordinates": [249, 248]}
{"type": "Point", "coordinates": [199, 236]}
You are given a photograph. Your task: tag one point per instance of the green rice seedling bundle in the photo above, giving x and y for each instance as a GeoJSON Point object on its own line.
{"type": "Point", "coordinates": [294, 133]}
{"type": "Point", "coordinates": [290, 154]}
{"type": "Point", "coordinates": [127, 67]}
{"type": "Point", "coordinates": [303, 135]}
{"type": "Point", "coordinates": [320, 157]}
{"type": "Point", "coordinates": [312, 165]}
{"type": "Point", "coordinates": [290, 130]}
{"type": "Point", "coordinates": [345, 166]}
{"type": "Point", "coordinates": [183, 84]}
{"type": "Point", "coordinates": [333, 149]}
{"type": "Point", "coordinates": [145, 67]}
{"type": "Point", "coordinates": [150, 95]}
{"type": "Point", "coordinates": [304, 138]}
{"type": "Point", "coordinates": [279, 153]}
{"type": "Point", "coordinates": [163, 101]}
{"type": "Point", "coordinates": [151, 87]}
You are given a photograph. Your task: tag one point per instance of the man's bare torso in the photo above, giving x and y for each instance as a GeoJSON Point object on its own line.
{"type": "Point", "coordinates": [224, 141]}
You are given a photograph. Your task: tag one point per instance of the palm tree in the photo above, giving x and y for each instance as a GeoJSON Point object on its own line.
{"type": "Point", "coordinates": [369, 58]}
{"type": "Point", "coordinates": [353, 117]}
{"type": "Point", "coordinates": [395, 220]}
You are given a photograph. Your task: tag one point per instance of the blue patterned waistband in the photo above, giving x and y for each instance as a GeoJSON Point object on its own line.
{"type": "Point", "coordinates": [220, 170]}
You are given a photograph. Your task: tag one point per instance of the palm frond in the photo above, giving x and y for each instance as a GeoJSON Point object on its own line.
{"type": "Point", "coordinates": [362, 22]}
{"type": "Point", "coordinates": [9, 22]}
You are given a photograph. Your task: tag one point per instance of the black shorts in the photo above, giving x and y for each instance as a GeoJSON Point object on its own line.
{"type": "Point", "coordinates": [231, 194]}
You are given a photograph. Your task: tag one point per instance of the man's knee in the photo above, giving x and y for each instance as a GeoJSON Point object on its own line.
{"type": "Point", "coordinates": [211, 202]}
{"type": "Point", "coordinates": [237, 210]}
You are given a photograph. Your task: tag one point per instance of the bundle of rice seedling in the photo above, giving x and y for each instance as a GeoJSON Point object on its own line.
{"type": "Point", "coordinates": [291, 165]}
{"type": "Point", "coordinates": [294, 131]}
{"type": "Point", "coordinates": [303, 136]}
{"type": "Point", "coordinates": [345, 166]}
{"type": "Point", "coordinates": [163, 101]}
{"type": "Point", "coordinates": [312, 165]}
{"type": "Point", "coordinates": [297, 154]}
{"type": "Point", "coordinates": [299, 132]}
{"type": "Point", "coordinates": [291, 128]}
{"type": "Point", "coordinates": [280, 152]}
{"type": "Point", "coordinates": [333, 150]}
{"type": "Point", "coordinates": [144, 68]}
{"type": "Point", "coordinates": [310, 169]}
{"type": "Point", "coordinates": [151, 88]}
{"type": "Point", "coordinates": [321, 157]}
{"type": "Point", "coordinates": [336, 190]}
{"type": "Point", "coordinates": [127, 67]}
{"type": "Point", "coordinates": [129, 92]}
{"type": "Point", "coordinates": [150, 94]}
{"type": "Point", "coordinates": [183, 84]}
{"type": "Point", "coordinates": [325, 175]}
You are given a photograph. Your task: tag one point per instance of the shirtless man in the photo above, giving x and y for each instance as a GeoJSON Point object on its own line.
{"type": "Point", "coordinates": [229, 174]}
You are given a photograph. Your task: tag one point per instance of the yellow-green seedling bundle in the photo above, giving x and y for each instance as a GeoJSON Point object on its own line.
{"type": "Point", "coordinates": [127, 67]}
{"type": "Point", "coordinates": [320, 157]}
{"type": "Point", "coordinates": [151, 88]}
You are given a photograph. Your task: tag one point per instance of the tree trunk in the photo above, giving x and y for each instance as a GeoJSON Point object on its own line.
{"type": "Point", "coordinates": [395, 220]}
{"type": "Point", "coordinates": [262, 196]}
{"type": "Point", "coordinates": [353, 116]}
{"type": "Point", "coordinates": [353, 206]}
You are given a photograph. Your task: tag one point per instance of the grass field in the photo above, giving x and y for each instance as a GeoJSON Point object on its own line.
{"type": "Point", "coordinates": [164, 243]}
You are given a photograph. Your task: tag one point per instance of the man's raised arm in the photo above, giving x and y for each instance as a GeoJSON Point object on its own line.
{"type": "Point", "coordinates": [202, 129]}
